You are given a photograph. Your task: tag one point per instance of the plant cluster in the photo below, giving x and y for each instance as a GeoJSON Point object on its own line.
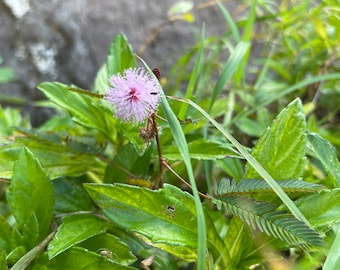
{"type": "Point", "coordinates": [229, 162]}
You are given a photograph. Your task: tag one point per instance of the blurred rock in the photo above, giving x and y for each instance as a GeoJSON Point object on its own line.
{"type": "Point", "coordinates": [67, 41]}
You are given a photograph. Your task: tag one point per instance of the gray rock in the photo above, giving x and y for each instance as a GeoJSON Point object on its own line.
{"type": "Point", "coordinates": [67, 41]}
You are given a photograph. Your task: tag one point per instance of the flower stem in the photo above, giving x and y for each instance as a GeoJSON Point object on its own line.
{"type": "Point", "coordinates": [166, 165]}
{"type": "Point", "coordinates": [159, 179]}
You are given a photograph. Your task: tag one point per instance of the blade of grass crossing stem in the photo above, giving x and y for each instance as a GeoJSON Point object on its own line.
{"type": "Point", "coordinates": [333, 258]}
{"type": "Point", "coordinates": [252, 161]}
{"type": "Point", "coordinates": [325, 77]}
{"type": "Point", "coordinates": [193, 78]}
{"type": "Point", "coordinates": [229, 69]}
{"type": "Point", "coordinates": [230, 21]}
{"type": "Point", "coordinates": [246, 37]}
{"type": "Point", "coordinates": [180, 140]}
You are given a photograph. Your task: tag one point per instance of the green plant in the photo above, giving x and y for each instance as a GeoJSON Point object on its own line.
{"type": "Point", "coordinates": [87, 191]}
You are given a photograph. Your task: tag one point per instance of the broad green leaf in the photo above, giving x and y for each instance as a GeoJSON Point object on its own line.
{"type": "Point", "coordinates": [101, 82]}
{"type": "Point", "coordinates": [3, 265]}
{"type": "Point", "coordinates": [74, 230]}
{"type": "Point", "coordinates": [80, 259]}
{"type": "Point", "coordinates": [110, 246]}
{"type": "Point", "coordinates": [31, 195]}
{"type": "Point", "coordinates": [128, 159]}
{"type": "Point", "coordinates": [57, 159]}
{"type": "Point", "coordinates": [70, 196]}
{"type": "Point", "coordinates": [27, 234]}
{"type": "Point", "coordinates": [281, 149]}
{"type": "Point", "coordinates": [322, 209]}
{"type": "Point", "coordinates": [165, 218]}
{"type": "Point", "coordinates": [5, 234]}
{"type": "Point", "coordinates": [201, 149]}
{"type": "Point", "coordinates": [120, 56]}
{"type": "Point", "coordinates": [84, 109]}
{"type": "Point", "coordinates": [326, 153]}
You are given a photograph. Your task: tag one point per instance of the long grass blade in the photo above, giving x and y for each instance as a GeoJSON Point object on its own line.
{"type": "Point", "coordinates": [232, 25]}
{"type": "Point", "coordinates": [297, 86]}
{"type": "Point", "coordinates": [193, 78]}
{"type": "Point", "coordinates": [229, 69]}
{"type": "Point", "coordinates": [182, 145]}
{"type": "Point", "coordinates": [252, 161]}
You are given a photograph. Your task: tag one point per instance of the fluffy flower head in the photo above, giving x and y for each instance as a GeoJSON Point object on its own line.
{"type": "Point", "coordinates": [134, 95]}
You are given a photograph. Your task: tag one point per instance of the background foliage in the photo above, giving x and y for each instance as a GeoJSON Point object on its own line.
{"type": "Point", "coordinates": [250, 118]}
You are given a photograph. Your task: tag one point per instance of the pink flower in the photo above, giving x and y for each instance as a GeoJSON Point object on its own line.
{"type": "Point", "coordinates": [134, 95]}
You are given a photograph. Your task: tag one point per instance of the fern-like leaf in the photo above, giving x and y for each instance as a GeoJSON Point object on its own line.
{"type": "Point", "coordinates": [262, 216]}
{"type": "Point", "coordinates": [251, 186]}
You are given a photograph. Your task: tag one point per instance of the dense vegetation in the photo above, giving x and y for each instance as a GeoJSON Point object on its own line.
{"type": "Point", "coordinates": [237, 169]}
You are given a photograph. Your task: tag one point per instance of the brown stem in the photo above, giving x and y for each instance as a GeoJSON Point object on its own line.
{"type": "Point", "coordinates": [165, 164]}
{"type": "Point", "coordinates": [159, 182]}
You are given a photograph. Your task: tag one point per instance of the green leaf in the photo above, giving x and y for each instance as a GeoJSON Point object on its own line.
{"type": "Point", "coordinates": [251, 186]}
{"type": "Point", "coordinates": [85, 110]}
{"type": "Point", "coordinates": [327, 154]}
{"type": "Point", "coordinates": [70, 196]}
{"type": "Point", "coordinates": [165, 218]}
{"type": "Point", "coordinates": [3, 265]}
{"type": "Point", "coordinates": [30, 196]}
{"type": "Point", "coordinates": [322, 209]}
{"type": "Point", "coordinates": [5, 234]}
{"type": "Point", "coordinates": [130, 160]}
{"type": "Point", "coordinates": [57, 159]}
{"type": "Point", "coordinates": [120, 56]}
{"type": "Point", "coordinates": [28, 257]}
{"type": "Point", "coordinates": [252, 161]}
{"type": "Point", "coordinates": [262, 215]}
{"type": "Point", "coordinates": [131, 133]}
{"type": "Point", "coordinates": [110, 246]}
{"type": "Point", "coordinates": [229, 69]}
{"type": "Point", "coordinates": [80, 259]}
{"type": "Point", "coordinates": [9, 118]}
{"type": "Point", "coordinates": [16, 254]}
{"type": "Point", "coordinates": [201, 149]}
{"type": "Point", "coordinates": [74, 230]}
{"type": "Point", "coordinates": [101, 82]}
{"type": "Point", "coordinates": [281, 149]}
{"type": "Point", "coordinates": [6, 75]}
{"type": "Point", "coordinates": [333, 257]}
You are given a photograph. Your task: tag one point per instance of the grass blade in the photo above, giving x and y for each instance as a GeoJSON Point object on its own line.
{"type": "Point", "coordinates": [181, 142]}
{"type": "Point", "coordinates": [252, 161]}
{"type": "Point", "coordinates": [194, 76]}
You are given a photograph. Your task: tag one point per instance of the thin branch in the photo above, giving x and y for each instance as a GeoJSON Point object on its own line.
{"type": "Point", "coordinates": [165, 164]}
